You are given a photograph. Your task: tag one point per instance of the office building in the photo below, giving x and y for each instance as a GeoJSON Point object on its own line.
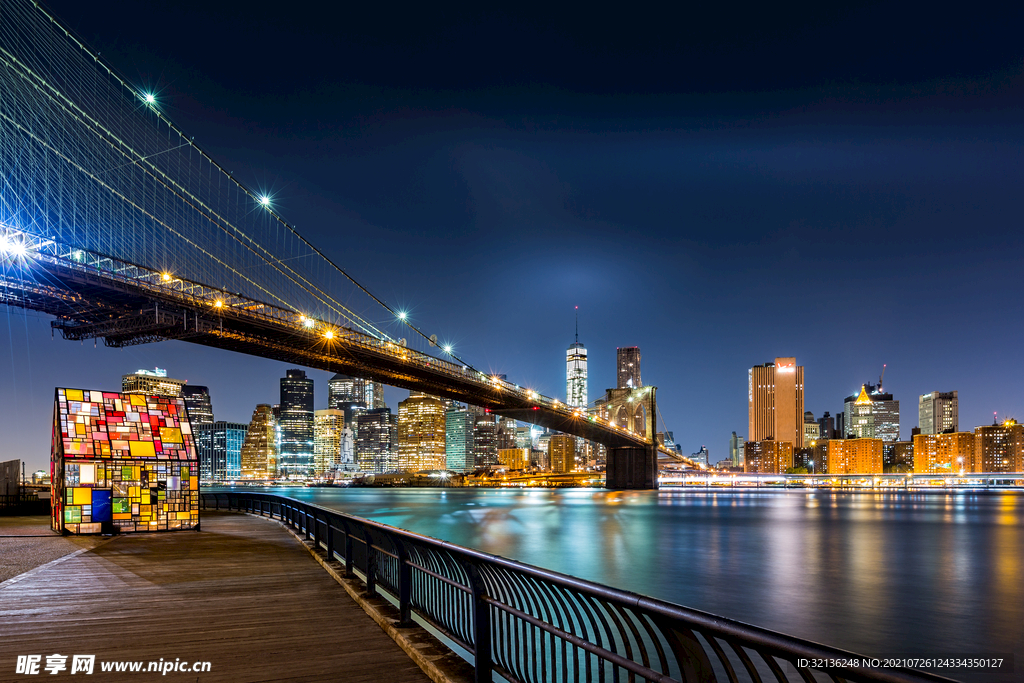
{"type": "Point", "coordinates": [562, 453]}
{"type": "Point", "coordinates": [295, 459]}
{"type": "Point", "coordinates": [999, 447]}
{"type": "Point", "coordinates": [872, 414]}
{"type": "Point", "coordinates": [628, 366]}
{"type": "Point", "coordinates": [736, 450]}
{"type": "Point", "coordinates": [775, 400]}
{"type": "Point", "coordinates": [898, 456]}
{"type": "Point", "coordinates": [826, 427]}
{"type": "Point", "coordinates": [701, 457]}
{"type": "Point", "coordinates": [259, 450]}
{"type": "Point", "coordinates": [526, 436]}
{"type": "Point", "coordinates": [506, 433]}
{"type": "Point", "coordinates": [767, 456]}
{"type": "Point", "coordinates": [514, 458]}
{"type": "Point", "coordinates": [948, 453]}
{"type": "Point", "coordinates": [153, 382]}
{"type": "Point", "coordinates": [576, 374]}
{"type": "Point", "coordinates": [421, 433]}
{"type": "Point", "coordinates": [197, 400]}
{"type": "Point", "coordinates": [348, 393]}
{"type": "Point", "coordinates": [328, 436]}
{"type": "Point", "coordinates": [485, 438]}
{"type": "Point", "coordinates": [458, 438]}
{"type": "Point", "coordinates": [937, 412]}
{"type": "Point", "coordinates": [852, 456]}
{"type": "Point", "coordinates": [812, 431]}
{"type": "Point", "coordinates": [219, 446]}
{"type": "Point", "coordinates": [376, 437]}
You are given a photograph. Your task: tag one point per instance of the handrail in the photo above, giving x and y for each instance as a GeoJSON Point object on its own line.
{"type": "Point", "coordinates": [528, 624]}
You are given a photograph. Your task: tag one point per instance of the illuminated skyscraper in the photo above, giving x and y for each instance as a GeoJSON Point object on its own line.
{"type": "Point", "coordinates": [937, 412]}
{"type": "Point", "coordinates": [562, 452]}
{"type": "Point", "coordinates": [421, 433]}
{"type": "Point", "coordinates": [377, 441]}
{"type": "Point", "coordinates": [197, 400]}
{"type": "Point", "coordinates": [259, 450]}
{"type": "Point", "coordinates": [348, 393]}
{"type": "Point", "coordinates": [775, 402]}
{"type": "Point", "coordinates": [153, 382]}
{"type": "Point", "coordinates": [458, 440]}
{"type": "Point", "coordinates": [328, 432]}
{"type": "Point", "coordinates": [736, 450]}
{"type": "Point", "coordinates": [576, 373]}
{"type": "Point", "coordinates": [872, 414]}
{"type": "Point", "coordinates": [485, 437]}
{"type": "Point", "coordinates": [219, 446]}
{"type": "Point", "coordinates": [628, 362]}
{"type": "Point", "coordinates": [296, 422]}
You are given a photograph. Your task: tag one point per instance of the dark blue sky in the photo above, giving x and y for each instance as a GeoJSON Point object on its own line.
{"type": "Point", "coordinates": [719, 186]}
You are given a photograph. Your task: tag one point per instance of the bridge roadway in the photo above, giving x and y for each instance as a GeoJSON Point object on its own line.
{"type": "Point", "coordinates": [93, 296]}
{"type": "Point", "coordinates": [242, 594]}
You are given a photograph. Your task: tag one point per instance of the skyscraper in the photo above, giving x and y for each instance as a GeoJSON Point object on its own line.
{"type": "Point", "coordinates": [485, 437]}
{"type": "Point", "coordinates": [328, 433]}
{"type": "Point", "coordinates": [296, 422]}
{"type": "Point", "coordinates": [348, 393]}
{"type": "Point", "coordinates": [562, 452]}
{"type": "Point", "coordinates": [872, 414]}
{"type": "Point", "coordinates": [421, 433]}
{"type": "Point", "coordinates": [219, 446]}
{"type": "Point", "coordinates": [259, 450]}
{"type": "Point", "coordinates": [377, 441]}
{"type": "Point", "coordinates": [826, 427]}
{"type": "Point", "coordinates": [775, 400]}
{"type": "Point", "coordinates": [576, 373]}
{"type": "Point", "coordinates": [736, 450]}
{"type": "Point", "coordinates": [458, 440]}
{"type": "Point", "coordinates": [153, 382]}
{"type": "Point", "coordinates": [937, 412]}
{"type": "Point", "coordinates": [197, 400]}
{"type": "Point", "coordinates": [628, 365]}
{"type": "Point", "coordinates": [812, 431]}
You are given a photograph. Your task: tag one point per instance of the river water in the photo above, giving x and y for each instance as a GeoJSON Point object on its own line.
{"type": "Point", "coordinates": [878, 573]}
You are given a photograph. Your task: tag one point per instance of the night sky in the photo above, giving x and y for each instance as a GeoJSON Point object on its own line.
{"type": "Point", "coordinates": [717, 185]}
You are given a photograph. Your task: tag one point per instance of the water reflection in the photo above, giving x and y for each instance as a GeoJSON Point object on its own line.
{"type": "Point", "coordinates": [878, 573]}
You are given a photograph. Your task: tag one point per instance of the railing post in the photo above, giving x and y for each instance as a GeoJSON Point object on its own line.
{"type": "Point", "coordinates": [404, 585]}
{"type": "Point", "coordinates": [482, 663]}
{"type": "Point", "coordinates": [330, 538]}
{"type": "Point", "coordinates": [349, 562]}
{"type": "Point", "coordinates": [305, 522]}
{"type": "Point", "coordinates": [371, 565]}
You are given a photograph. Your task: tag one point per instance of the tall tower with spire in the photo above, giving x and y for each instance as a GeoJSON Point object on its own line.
{"type": "Point", "coordinates": [576, 371]}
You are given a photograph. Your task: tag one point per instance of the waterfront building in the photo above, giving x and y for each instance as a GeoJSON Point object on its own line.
{"type": "Point", "coordinates": [351, 394]}
{"type": "Point", "coordinates": [999, 447]}
{"type": "Point", "coordinates": [219, 446]}
{"type": "Point", "coordinates": [872, 414]}
{"type": "Point", "coordinates": [804, 457]}
{"type": "Point", "coordinates": [121, 463]}
{"type": "Point", "coordinates": [526, 436]}
{"type": "Point", "coordinates": [947, 453]}
{"type": "Point", "coordinates": [701, 457]}
{"type": "Point", "coordinates": [421, 433]}
{"type": "Point", "coordinates": [153, 382]}
{"type": "Point", "coordinates": [197, 400]}
{"type": "Point", "coordinates": [812, 431]}
{"type": "Point", "coordinates": [898, 456]}
{"type": "Point", "coordinates": [736, 450]}
{"type": "Point", "coordinates": [506, 433]}
{"type": "Point", "coordinates": [562, 452]}
{"type": "Point", "coordinates": [328, 435]}
{"type": "Point", "coordinates": [296, 422]}
{"type": "Point", "coordinates": [937, 412]}
{"type": "Point", "coordinates": [514, 458]}
{"type": "Point", "coordinates": [628, 367]}
{"type": "Point", "coordinates": [768, 456]}
{"type": "Point", "coordinates": [853, 456]}
{"type": "Point", "coordinates": [259, 450]}
{"type": "Point", "coordinates": [826, 427]}
{"type": "Point", "coordinates": [458, 438]}
{"type": "Point", "coordinates": [775, 400]}
{"type": "Point", "coordinates": [376, 438]}
{"type": "Point", "coordinates": [485, 438]}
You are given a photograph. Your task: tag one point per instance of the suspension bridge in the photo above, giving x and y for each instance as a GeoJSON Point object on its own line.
{"type": "Point", "coordinates": [116, 223]}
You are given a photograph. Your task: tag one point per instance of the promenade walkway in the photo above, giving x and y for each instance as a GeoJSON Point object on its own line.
{"type": "Point", "coordinates": [242, 594]}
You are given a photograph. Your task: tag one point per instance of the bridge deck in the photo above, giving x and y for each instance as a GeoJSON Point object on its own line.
{"type": "Point", "coordinates": [241, 594]}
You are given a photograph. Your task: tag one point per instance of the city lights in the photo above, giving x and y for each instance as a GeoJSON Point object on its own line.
{"type": "Point", "coordinates": [402, 315]}
{"type": "Point", "coordinates": [218, 304]}
{"type": "Point", "coordinates": [448, 349]}
{"type": "Point", "coordinates": [329, 334]}
{"type": "Point", "coordinates": [264, 200]}
{"type": "Point", "coordinates": [166, 277]}
{"type": "Point", "coordinates": [150, 98]}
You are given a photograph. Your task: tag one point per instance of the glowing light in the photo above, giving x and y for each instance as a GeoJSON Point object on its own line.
{"type": "Point", "coordinates": [166, 277]}
{"type": "Point", "coordinates": [264, 200]}
{"type": "Point", "coordinates": [150, 98]}
{"type": "Point", "coordinates": [448, 349]}
{"type": "Point", "coordinates": [402, 315]}
{"type": "Point", "coordinates": [329, 334]}
{"type": "Point", "coordinates": [218, 304]}
{"type": "Point", "coordinates": [307, 323]}
{"type": "Point", "coordinates": [18, 248]}
{"type": "Point", "coordinates": [78, 254]}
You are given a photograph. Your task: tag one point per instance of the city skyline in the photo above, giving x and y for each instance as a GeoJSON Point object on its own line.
{"type": "Point", "coordinates": [668, 208]}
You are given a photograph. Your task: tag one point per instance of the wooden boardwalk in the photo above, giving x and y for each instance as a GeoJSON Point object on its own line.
{"type": "Point", "coordinates": [242, 594]}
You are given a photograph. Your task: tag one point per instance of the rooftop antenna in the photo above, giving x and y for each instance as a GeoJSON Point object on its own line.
{"type": "Point", "coordinates": [577, 324]}
{"type": "Point", "coordinates": [880, 378]}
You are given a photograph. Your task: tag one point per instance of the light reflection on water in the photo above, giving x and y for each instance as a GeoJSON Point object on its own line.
{"type": "Point", "coordinates": [877, 573]}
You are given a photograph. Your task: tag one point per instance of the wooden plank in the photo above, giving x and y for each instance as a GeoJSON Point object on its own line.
{"type": "Point", "coordinates": [241, 594]}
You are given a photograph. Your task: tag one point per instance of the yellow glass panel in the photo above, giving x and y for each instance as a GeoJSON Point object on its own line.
{"type": "Point", "coordinates": [183, 515]}
{"type": "Point", "coordinates": [138, 400]}
{"type": "Point", "coordinates": [74, 394]}
{"type": "Point", "coordinates": [142, 449]}
{"type": "Point", "coordinates": [81, 496]}
{"type": "Point", "coordinates": [193, 483]}
{"type": "Point", "coordinates": [145, 497]}
{"type": "Point", "coordinates": [171, 434]}
{"type": "Point", "coordinates": [133, 491]}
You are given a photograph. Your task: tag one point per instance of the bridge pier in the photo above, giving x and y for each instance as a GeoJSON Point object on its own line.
{"type": "Point", "coordinates": [632, 468]}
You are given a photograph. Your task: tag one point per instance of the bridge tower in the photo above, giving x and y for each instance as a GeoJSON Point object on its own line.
{"type": "Point", "coordinates": [632, 467]}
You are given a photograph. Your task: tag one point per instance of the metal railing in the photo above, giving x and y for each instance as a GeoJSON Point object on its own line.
{"type": "Point", "coordinates": [527, 624]}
